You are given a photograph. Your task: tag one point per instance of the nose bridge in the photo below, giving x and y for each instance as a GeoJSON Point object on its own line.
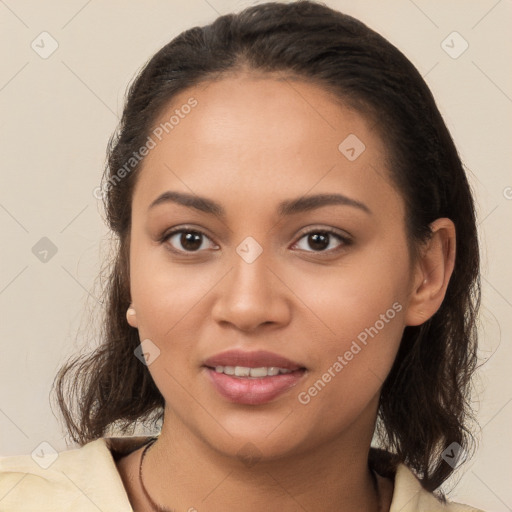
{"type": "Point", "coordinates": [251, 294]}
{"type": "Point", "coordinates": [252, 278]}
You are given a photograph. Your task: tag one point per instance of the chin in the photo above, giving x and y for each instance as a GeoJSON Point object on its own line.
{"type": "Point", "coordinates": [247, 433]}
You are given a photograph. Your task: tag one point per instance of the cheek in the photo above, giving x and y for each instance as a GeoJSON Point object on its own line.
{"type": "Point", "coordinates": [359, 319]}
{"type": "Point", "coordinates": [167, 298]}
{"type": "Point", "coordinates": [356, 295]}
{"type": "Point", "coordinates": [163, 293]}
{"type": "Point", "coordinates": [352, 365]}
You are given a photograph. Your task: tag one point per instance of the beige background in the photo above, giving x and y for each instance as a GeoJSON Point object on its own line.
{"type": "Point", "coordinates": [58, 113]}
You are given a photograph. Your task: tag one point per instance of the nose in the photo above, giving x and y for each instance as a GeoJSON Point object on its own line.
{"type": "Point", "coordinates": [252, 295]}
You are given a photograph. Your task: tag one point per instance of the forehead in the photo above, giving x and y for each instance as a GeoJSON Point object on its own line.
{"type": "Point", "coordinates": [273, 113]}
{"type": "Point", "coordinates": [265, 136]}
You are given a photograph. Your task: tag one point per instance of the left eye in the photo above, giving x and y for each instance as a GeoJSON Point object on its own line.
{"type": "Point", "coordinates": [322, 241]}
{"type": "Point", "coordinates": [190, 240]}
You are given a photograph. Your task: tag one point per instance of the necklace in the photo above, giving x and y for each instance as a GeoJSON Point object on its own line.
{"type": "Point", "coordinates": [154, 505]}
{"type": "Point", "coordinates": [158, 508]}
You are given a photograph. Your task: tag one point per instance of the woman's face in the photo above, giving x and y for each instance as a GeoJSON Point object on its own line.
{"type": "Point", "coordinates": [288, 251]}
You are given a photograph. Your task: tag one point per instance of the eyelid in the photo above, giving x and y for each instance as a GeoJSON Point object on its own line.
{"type": "Point", "coordinates": [342, 236]}
{"type": "Point", "coordinates": [184, 229]}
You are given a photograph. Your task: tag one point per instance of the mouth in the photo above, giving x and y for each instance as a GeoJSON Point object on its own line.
{"type": "Point", "coordinates": [252, 378]}
{"type": "Point", "coordinates": [246, 371]}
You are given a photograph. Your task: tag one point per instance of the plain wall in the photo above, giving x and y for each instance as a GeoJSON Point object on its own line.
{"type": "Point", "coordinates": [57, 114]}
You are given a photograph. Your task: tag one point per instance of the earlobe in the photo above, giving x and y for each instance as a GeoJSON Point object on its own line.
{"type": "Point", "coordinates": [432, 273]}
{"type": "Point", "coordinates": [131, 316]}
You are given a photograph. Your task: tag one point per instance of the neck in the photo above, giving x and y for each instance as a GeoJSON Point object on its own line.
{"type": "Point", "coordinates": [324, 478]}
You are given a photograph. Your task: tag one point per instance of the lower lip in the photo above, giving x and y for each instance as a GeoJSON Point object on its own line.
{"type": "Point", "coordinates": [255, 390]}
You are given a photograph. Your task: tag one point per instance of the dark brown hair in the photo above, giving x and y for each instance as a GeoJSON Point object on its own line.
{"type": "Point", "coordinates": [425, 400]}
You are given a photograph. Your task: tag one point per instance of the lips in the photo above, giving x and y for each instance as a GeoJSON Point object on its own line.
{"type": "Point", "coordinates": [229, 374]}
{"type": "Point", "coordinates": [251, 360]}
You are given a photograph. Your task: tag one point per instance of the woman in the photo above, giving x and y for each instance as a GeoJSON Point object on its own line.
{"type": "Point", "coordinates": [297, 274]}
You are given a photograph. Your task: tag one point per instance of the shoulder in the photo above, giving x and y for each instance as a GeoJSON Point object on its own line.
{"type": "Point", "coordinates": [410, 496]}
{"type": "Point", "coordinates": [79, 480]}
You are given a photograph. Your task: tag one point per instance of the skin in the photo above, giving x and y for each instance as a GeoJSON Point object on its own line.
{"type": "Point", "coordinates": [251, 142]}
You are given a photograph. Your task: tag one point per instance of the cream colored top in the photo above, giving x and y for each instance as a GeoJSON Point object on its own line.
{"type": "Point", "coordinates": [86, 479]}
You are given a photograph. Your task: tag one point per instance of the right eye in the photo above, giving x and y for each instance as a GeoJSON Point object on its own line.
{"type": "Point", "coordinates": [185, 241]}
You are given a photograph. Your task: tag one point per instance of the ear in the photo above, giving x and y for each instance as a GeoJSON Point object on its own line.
{"type": "Point", "coordinates": [131, 316]}
{"type": "Point", "coordinates": [432, 273]}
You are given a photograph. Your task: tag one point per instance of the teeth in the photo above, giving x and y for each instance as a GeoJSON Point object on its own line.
{"type": "Point", "coordinates": [244, 371]}
{"type": "Point", "coordinates": [262, 372]}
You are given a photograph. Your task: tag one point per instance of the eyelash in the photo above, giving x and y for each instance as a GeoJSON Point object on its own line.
{"type": "Point", "coordinates": [345, 240]}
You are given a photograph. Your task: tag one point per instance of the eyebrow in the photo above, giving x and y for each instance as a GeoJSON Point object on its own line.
{"type": "Point", "coordinates": [285, 208]}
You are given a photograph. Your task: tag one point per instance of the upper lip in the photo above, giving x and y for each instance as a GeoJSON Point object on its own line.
{"type": "Point", "coordinates": [257, 359]}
